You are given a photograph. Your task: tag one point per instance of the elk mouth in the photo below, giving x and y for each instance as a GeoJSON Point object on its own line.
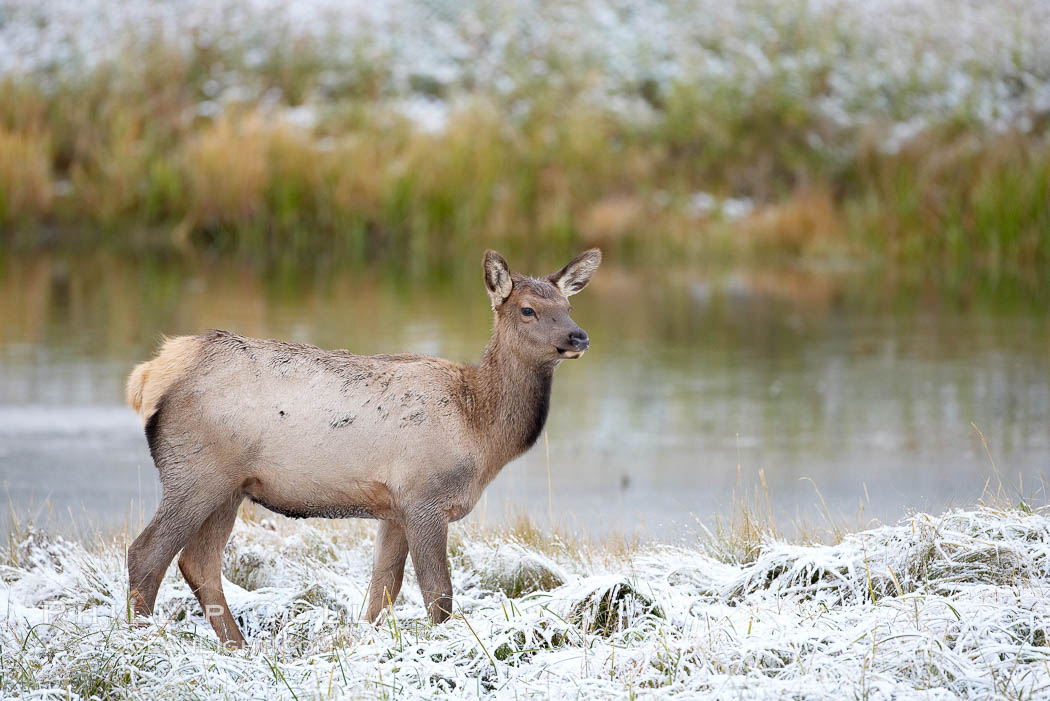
{"type": "Point", "coordinates": [569, 353]}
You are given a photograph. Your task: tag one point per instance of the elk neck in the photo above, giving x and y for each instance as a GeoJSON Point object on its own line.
{"type": "Point", "coordinates": [511, 394]}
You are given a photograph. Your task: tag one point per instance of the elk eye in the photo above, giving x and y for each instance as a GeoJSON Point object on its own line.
{"type": "Point", "coordinates": [528, 311]}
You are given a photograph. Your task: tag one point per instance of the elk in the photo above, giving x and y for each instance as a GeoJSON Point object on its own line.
{"type": "Point", "coordinates": [409, 440]}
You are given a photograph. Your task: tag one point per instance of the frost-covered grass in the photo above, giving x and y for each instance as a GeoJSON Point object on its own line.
{"type": "Point", "coordinates": [909, 129]}
{"type": "Point", "coordinates": [911, 61]}
{"type": "Point", "coordinates": [934, 607]}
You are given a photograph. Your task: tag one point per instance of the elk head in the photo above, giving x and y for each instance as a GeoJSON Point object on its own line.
{"type": "Point", "coordinates": [532, 316]}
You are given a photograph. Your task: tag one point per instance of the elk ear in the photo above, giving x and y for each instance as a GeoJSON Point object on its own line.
{"type": "Point", "coordinates": [575, 276]}
{"type": "Point", "coordinates": [497, 278]}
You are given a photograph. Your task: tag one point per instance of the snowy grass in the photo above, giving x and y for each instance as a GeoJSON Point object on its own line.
{"type": "Point", "coordinates": [933, 607]}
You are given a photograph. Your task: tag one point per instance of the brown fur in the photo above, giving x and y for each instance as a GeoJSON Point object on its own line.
{"type": "Point", "coordinates": [407, 439]}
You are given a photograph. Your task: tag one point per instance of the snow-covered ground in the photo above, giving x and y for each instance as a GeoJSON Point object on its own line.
{"type": "Point", "coordinates": [935, 607]}
{"type": "Point", "coordinates": [906, 63]}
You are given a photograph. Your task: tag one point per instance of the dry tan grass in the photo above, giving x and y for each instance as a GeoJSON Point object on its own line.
{"type": "Point", "coordinates": [807, 223]}
{"type": "Point", "coordinates": [226, 165]}
{"type": "Point", "coordinates": [110, 177]}
{"type": "Point", "coordinates": [612, 218]}
{"type": "Point", "coordinates": [26, 187]}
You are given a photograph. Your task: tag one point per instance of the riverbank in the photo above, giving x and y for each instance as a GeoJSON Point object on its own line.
{"type": "Point", "coordinates": [945, 606]}
{"type": "Point", "coordinates": [834, 130]}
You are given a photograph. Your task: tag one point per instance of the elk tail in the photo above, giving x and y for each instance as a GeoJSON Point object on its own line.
{"type": "Point", "coordinates": [150, 381]}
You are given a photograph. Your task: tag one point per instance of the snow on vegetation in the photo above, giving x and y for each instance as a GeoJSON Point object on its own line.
{"type": "Point", "coordinates": [906, 62]}
{"type": "Point", "coordinates": [934, 607]}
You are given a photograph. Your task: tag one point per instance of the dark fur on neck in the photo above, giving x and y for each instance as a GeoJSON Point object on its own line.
{"type": "Point", "coordinates": [541, 404]}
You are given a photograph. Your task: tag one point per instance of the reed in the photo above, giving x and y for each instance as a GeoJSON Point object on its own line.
{"type": "Point", "coordinates": [26, 185]}
{"type": "Point", "coordinates": [136, 146]}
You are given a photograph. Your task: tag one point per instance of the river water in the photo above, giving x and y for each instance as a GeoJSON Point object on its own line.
{"type": "Point", "coordinates": [850, 393]}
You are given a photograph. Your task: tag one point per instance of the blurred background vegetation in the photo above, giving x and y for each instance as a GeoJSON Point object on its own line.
{"type": "Point", "coordinates": [901, 134]}
{"type": "Point", "coordinates": [826, 226]}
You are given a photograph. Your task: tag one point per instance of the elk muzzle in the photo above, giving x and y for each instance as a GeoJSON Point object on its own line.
{"type": "Point", "coordinates": [575, 344]}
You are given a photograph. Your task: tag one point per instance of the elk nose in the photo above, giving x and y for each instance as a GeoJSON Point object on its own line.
{"type": "Point", "coordinates": [578, 340]}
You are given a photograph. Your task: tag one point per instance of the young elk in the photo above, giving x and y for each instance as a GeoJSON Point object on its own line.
{"type": "Point", "coordinates": [406, 439]}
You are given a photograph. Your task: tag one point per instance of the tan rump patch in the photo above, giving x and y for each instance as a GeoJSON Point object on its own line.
{"type": "Point", "coordinates": [150, 380]}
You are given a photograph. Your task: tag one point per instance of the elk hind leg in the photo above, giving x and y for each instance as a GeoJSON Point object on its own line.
{"type": "Point", "coordinates": [201, 565]}
{"type": "Point", "coordinates": [178, 516]}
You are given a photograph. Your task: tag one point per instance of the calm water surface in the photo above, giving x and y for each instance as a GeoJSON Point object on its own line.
{"type": "Point", "coordinates": [844, 383]}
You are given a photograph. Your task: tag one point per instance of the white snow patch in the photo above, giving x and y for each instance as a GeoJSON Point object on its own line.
{"type": "Point", "coordinates": [934, 607]}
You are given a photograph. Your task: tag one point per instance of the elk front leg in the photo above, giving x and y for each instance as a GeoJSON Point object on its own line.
{"type": "Point", "coordinates": [388, 567]}
{"type": "Point", "coordinates": [427, 542]}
